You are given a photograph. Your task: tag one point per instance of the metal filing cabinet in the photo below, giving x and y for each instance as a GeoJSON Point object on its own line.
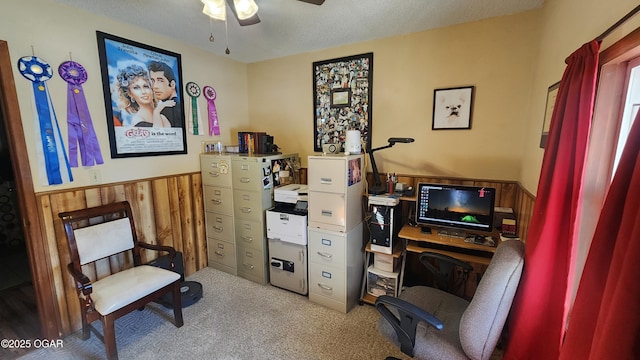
{"type": "Point", "coordinates": [218, 206]}
{"type": "Point", "coordinates": [335, 230]}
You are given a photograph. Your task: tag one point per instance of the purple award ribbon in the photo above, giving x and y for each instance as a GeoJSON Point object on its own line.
{"type": "Point", "coordinates": [210, 95]}
{"type": "Point", "coordinates": [38, 71]}
{"type": "Point", "coordinates": [81, 131]}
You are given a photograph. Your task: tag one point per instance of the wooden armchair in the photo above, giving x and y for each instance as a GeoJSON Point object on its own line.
{"type": "Point", "coordinates": [98, 233]}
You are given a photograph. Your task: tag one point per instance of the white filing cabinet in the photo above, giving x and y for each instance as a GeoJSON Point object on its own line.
{"type": "Point", "coordinates": [335, 230]}
{"type": "Point", "coordinates": [252, 195]}
{"type": "Point", "coordinates": [218, 205]}
{"type": "Point", "coordinates": [237, 189]}
{"type": "Point", "coordinates": [335, 191]}
{"type": "Point", "coordinates": [335, 267]}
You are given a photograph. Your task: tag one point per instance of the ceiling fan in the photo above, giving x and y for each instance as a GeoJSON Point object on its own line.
{"type": "Point", "coordinates": [246, 12]}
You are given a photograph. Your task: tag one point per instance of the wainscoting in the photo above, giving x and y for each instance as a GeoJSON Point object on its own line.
{"type": "Point", "coordinates": [168, 211]}
{"type": "Point", "coordinates": [508, 194]}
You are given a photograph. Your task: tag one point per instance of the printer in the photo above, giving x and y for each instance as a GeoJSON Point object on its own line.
{"type": "Point", "coordinates": [287, 236]}
{"type": "Point", "coordinates": [292, 198]}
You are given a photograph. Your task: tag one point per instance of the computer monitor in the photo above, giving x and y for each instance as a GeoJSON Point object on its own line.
{"type": "Point", "coordinates": [455, 207]}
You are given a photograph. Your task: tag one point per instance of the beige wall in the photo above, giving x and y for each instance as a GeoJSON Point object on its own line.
{"type": "Point", "coordinates": [566, 25]}
{"type": "Point", "coordinates": [53, 37]}
{"type": "Point", "coordinates": [497, 56]}
{"type": "Point", "coordinates": [511, 61]}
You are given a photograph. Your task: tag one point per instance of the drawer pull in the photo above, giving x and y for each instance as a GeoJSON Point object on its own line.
{"type": "Point", "coordinates": [327, 213]}
{"type": "Point", "coordinates": [246, 210]}
{"type": "Point", "coordinates": [217, 192]}
{"type": "Point", "coordinates": [219, 253]}
{"type": "Point", "coordinates": [245, 180]}
{"type": "Point", "coordinates": [218, 228]}
{"type": "Point", "coordinates": [216, 201]}
{"type": "Point", "coordinates": [247, 238]}
{"type": "Point", "coordinates": [214, 174]}
{"type": "Point", "coordinates": [248, 266]}
{"type": "Point", "coordinates": [326, 181]}
{"type": "Point", "coordinates": [325, 287]}
{"type": "Point", "coordinates": [246, 197]}
{"type": "Point", "coordinates": [325, 255]}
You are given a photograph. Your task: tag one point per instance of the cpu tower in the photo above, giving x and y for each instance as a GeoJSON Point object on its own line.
{"type": "Point", "coordinates": [384, 225]}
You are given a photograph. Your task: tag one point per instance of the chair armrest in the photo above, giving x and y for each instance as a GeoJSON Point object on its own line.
{"type": "Point", "coordinates": [405, 325]}
{"type": "Point", "coordinates": [82, 281]}
{"type": "Point", "coordinates": [172, 252]}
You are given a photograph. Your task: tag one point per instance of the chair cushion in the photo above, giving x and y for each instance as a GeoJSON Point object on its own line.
{"type": "Point", "coordinates": [120, 289]}
{"type": "Point", "coordinates": [432, 343]}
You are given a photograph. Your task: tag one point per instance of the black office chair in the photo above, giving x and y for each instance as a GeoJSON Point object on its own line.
{"type": "Point", "coordinates": [429, 323]}
{"type": "Point", "coordinates": [443, 268]}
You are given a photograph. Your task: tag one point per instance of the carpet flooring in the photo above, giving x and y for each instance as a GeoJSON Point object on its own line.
{"type": "Point", "coordinates": [237, 319]}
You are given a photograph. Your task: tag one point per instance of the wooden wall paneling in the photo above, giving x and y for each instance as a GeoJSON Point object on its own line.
{"type": "Point", "coordinates": [140, 198]}
{"type": "Point", "coordinates": [60, 202]}
{"type": "Point", "coordinates": [162, 213]}
{"type": "Point", "coordinates": [199, 222]}
{"type": "Point", "coordinates": [174, 211]}
{"type": "Point", "coordinates": [188, 234]}
{"type": "Point", "coordinates": [58, 270]}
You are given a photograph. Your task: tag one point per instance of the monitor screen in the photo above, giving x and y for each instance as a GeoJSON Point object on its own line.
{"type": "Point", "coordinates": [455, 206]}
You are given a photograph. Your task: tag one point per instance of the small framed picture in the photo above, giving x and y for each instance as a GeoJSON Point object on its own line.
{"type": "Point", "coordinates": [552, 93]}
{"type": "Point", "coordinates": [341, 98]}
{"type": "Point", "coordinates": [452, 108]}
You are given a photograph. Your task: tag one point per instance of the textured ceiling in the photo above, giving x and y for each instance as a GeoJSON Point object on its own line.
{"type": "Point", "coordinates": [290, 27]}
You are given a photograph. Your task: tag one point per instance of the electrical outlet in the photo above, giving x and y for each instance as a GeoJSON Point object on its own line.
{"type": "Point", "coordinates": [94, 177]}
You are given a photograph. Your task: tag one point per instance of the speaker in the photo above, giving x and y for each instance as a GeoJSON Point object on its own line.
{"type": "Point", "coordinates": [331, 148]}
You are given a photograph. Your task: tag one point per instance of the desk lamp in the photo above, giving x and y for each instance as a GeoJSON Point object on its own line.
{"type": "Point", "coordinates": [377, 187]}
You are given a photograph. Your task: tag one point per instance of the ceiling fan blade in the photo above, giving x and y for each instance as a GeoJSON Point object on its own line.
{"type": "Point", "coordinates": [250, 21]}
{"type": "Point", "coordinates": [314, 2]}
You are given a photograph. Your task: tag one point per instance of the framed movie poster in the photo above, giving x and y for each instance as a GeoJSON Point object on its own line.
{"type": "Point", "coordinates": [342, 99]}
{"type": "Point", "coordinates": [142, 94]}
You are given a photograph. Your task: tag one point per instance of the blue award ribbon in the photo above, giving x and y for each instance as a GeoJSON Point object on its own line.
{"type": "Point", "coordinates": [38, 71]}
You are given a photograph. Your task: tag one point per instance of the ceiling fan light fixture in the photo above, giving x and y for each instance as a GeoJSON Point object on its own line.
{"type": "Point", "coordinates": [215, 9]}
{"type": "Point", "coordinates": [245, 8]}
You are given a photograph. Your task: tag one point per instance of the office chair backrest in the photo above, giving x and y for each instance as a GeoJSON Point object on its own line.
{"type": "Point", "coordinates": [482, 322]}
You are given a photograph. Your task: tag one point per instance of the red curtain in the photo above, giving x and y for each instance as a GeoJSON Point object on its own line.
{"type": "Point", "coordinates": [538, 314]}
{"type": "Point", "coordinates": [605, 320]}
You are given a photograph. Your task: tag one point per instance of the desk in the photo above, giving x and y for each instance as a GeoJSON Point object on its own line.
{"type": "Point", "coordinates": [454, 247]}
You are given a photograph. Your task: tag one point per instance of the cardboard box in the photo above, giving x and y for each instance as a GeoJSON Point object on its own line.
{"type": "Point", "coordinates": [385, 262]}
{"type": "Point", "coordinates": [382, 282]}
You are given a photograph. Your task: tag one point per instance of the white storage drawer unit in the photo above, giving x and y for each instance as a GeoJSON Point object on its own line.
{"type": "Point", "coordinates": [335, 191]}
{"type": "Point", "coordinates": [218, 206]}
{"type": "Point", "coordinates": [335, 267]}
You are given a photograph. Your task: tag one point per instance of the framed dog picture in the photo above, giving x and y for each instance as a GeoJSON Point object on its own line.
{"type": "Point", "coordinates": [452, 108]}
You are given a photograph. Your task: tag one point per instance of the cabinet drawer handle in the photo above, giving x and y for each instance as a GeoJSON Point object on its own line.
{"type": "Point", "coordinates": [214, 174]}
{"type": "Point", "coordinates": [326, 181]}
{"type": "Point", "coordinates": [325, 287]}
{"type": "Point", "coordinates": [216, 201]}
{"type": "Point", "coordinates": [245, 180]}
{"type": "Point", "coordinates": [325, 255]}
{"type": "Point", "coordinates": [219, 253]}
{"type": "Point", "coordinates": [218, 228]}
{"type": "Point", "coordinates": [246, 210]}
{"type": "Point", "coordinates": [247, 238]}
{"type": "Point", "coordinates": [327, 213]}
{"type": "Point", "coordinates": [248, 266]}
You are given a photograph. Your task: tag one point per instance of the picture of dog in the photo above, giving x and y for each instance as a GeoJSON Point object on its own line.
{"type": "Point", "coordinates": [452, 108]}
